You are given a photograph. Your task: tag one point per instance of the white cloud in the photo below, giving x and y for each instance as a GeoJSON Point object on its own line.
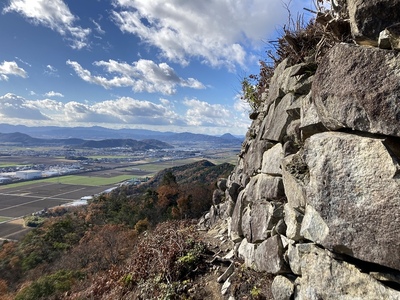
{"type": "Point", "coordinates": [54, 14]}
{"type": "Point", "coordinates": [98, 27]}
{"type": "Point", "coordinates": [201, 113]}
{"type": "Point", "coordinates": [13, 106]}
{"type": "Point", "coordinates": [51, 71]}
{"type": "Point", "coordinates": [53, 94]}
{"type": "Point", "coordinates": [11, 68]}
{"type": "Point", "coordinates": [165, 102]}
{"type": "Point", "coordinates": [215, 31]}
{"type": "Point", "coordinates": [141, 76]}
{"type": "Point", "coordinates": [131, 111]}
{"type": "Point", "coordinates": [124, 110]}
{"type": "Point", "coordinates": [198, 116]}
{"type": "Point", "coordinates": [51, 68]}
{"type": "Point", "coordinates": [24, 62]}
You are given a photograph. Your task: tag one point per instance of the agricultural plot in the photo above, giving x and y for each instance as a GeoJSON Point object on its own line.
{"type": "Point", "coordinates": [3, 219]}
{"type": "Point", "coordinates": [88, 180]}
{"type": "Point", "coordinates": [21, 199]}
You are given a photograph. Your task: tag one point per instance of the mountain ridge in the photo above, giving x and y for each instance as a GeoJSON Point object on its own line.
{"type": "Point", "coordinates": [22, 139]}
{"type": "Point", "coordinates": [102, 133]}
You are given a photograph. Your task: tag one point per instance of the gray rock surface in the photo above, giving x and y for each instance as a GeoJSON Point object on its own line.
{"type": "Point", "coordinates": [310, 123]}
{"type": "Point", "coordinates": [394, 36]}
{"type": "Point", "coordinates": [269, 256]}
{"type": "Point", "coordinates": [271, 163]}
{"type": "Point", "coordinates": [329, 144]}
{"type": "Point", "coordinates": [369, 18]}
{"type": "Point", "coordinates": [221, 184]}
{"type": "Point", "coordinates": [295, 178]}
{"type": "Point", "coordinates": [363, 94]}
{"type": "Point", "coordinates": [355, 188]}
{"type": "Point", "coordinates": [295, 255]}
{"type": "Point", "coordinates": [253, 162]}
{"type": "Point", "coordinates": [246, 251]}
{"type": "Point", "coordinates": [262, 186]}
{"type": "Point", "coordinates": [260, 222]}
{"type": "Point", "coordinates": [278, 119]}
{"type": "Point", "coordinates": [236, 232]}
{"type": "Point", "coordinates": [313, 227]}
{"type": "Point", "coordinates": [282, 288]}
{"type": "Point", "coordinates": [293, 219]}
{"type": "Point", "coordinates": [217, 197]}
{"type": "Point", "coordinates": [325, 278]}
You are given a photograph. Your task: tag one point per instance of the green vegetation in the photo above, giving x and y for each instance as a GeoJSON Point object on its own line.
{"type": "Point", "coordinates": [50, 285]}
{"type": "Point", "coordinates": [33, 221]}
{"type": "Point", "coordinates": [255, 292]}
{"type": "Point", "coordinates": [250, 93]}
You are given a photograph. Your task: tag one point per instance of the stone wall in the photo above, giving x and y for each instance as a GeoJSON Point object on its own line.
{"type": "Point", "coordinates": [315, 196]}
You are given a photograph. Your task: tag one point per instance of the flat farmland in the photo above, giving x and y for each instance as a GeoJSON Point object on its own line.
{"type": "Point", "coordinates": [21, 199]}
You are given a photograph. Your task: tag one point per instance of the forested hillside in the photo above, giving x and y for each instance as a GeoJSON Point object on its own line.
{"type": "Point", "coordinates": [135, 242]}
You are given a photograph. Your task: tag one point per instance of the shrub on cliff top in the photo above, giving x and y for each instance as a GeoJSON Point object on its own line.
{"type": "Point", "coordinates": [299, 42]}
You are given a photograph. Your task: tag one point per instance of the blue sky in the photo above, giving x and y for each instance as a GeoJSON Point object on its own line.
{"type": "Point", "coordinates": [167, 65]}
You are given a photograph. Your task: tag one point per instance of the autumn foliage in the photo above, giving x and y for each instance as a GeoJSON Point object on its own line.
{"type": "Point", "coordinates": [133, 243]}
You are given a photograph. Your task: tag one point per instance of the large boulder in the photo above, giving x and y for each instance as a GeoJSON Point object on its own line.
{"type": "Point", "coordinates": [359, 88]}
{"type": "Point", "coordinates": [354, 193]}
{"type": "Point", "coordinates": [282, 288]}
{"type": "Point", "coordinates": [259, 219]}
{"type": "Point", "coordinates": [252, 160]}
{"type": "Point", "coordinates": [264, 186]}
{"type": "Point", "coordinates": [369, 18]}
{"type": "Point", "coordinates": [246, 252]}
{"type": "Point", "coordinates": [277, 120]}
{"type": "Point", "coordinates": [269, 256]}
{"type": "Point", "coordinates": [271, 163]}
{"type": "Point", "coordinates": [326, 278]}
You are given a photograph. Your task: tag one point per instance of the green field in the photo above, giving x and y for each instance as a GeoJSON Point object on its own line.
{"type": "Point", "coordinates": [6, 165]}
{"type": "Point", "coordinates": [74, 180]}
{"type": "Point", "coordinates": [18, 184]}
{"type": "Point", "coordinates": [88, 180]}
{"type": "Point", "coordinates": [3, 219]}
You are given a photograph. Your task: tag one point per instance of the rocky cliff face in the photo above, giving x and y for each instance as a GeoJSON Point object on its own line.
{"type": "Point", "coordinates": [315, 196]}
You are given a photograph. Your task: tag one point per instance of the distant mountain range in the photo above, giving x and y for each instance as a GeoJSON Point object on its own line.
{"type": "Point", "coordinates": [22, 139]}
{"type": "Point", "coordinates": [75, 135]}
